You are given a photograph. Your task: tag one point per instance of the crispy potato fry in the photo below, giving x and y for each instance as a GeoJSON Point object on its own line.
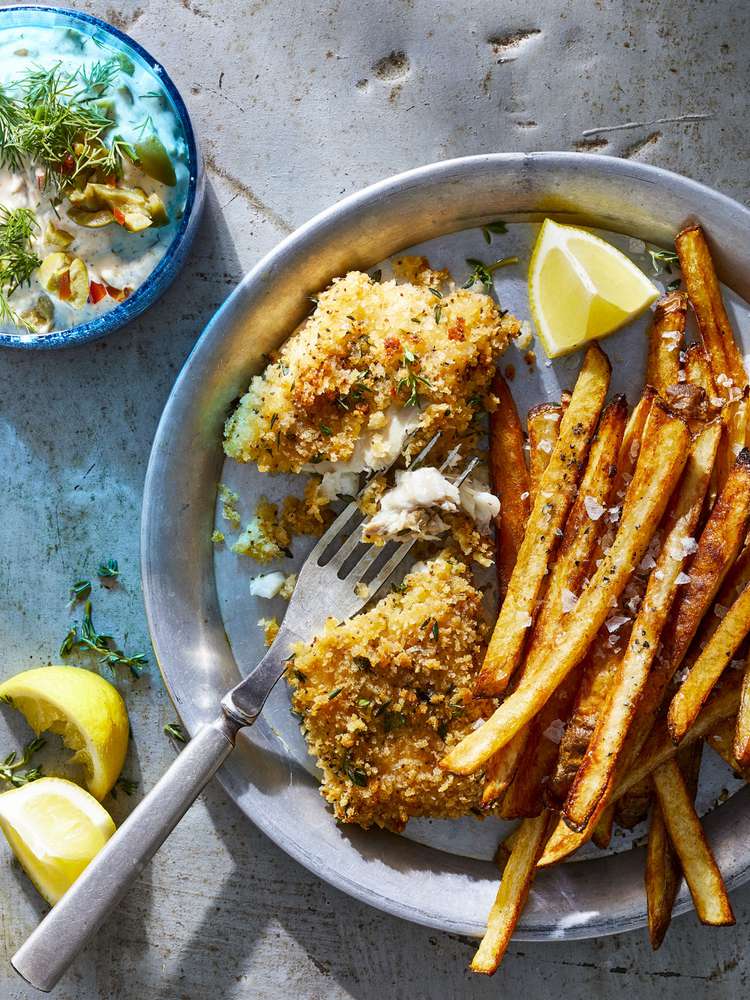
{"type": "Point", "coordinates": [734, 435]}
{"type": "Point", "coordinates": [706, 299]}
{"type": "Point", "coordinates": [690, 402]}
{"type": "Point", "coordinates": [659, 467]}
{"type": "Point", "coordinates": [632, 807]}
{"type": "Point", "coordinates": [518, 875]}
{"type": "Point", "coordinates": [510, 481]}
{"type": "Point", "coordinates": [663, 872]}
{"type": "Point", "coordinates": [705, 672]}
{"type": "Point", "coordinates": [688, 839]}
{"type": "Point", "coordinates": [598, 765]}
{"type": "Point", "coordinates": [556, 494]}
{"type": "Point", "coordinates": [665, 341]}
{"type": "Point", "coordinates": [571, 566]}
{"type": "Point", "coordinates": [543, 427]}
{"type": "Point", "coordinates": [741, 743]}
{"type": "Point", "coordinates": [721, 741]}
{"type": "Point", "coordinates": [659, 748]}
{"type": "Point", "coordinates": [698, 373]}
{"type": "Point", "coordinates": [602, 834]}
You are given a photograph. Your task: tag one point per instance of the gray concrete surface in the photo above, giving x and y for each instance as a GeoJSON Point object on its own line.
{"type": "Point", "coordinates": [296, 105]}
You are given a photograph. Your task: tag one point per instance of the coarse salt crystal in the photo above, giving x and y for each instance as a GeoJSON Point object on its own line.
{"type": "Point", "coordinates": [725, 380]}
{"type": "Point", "coordinates": [634, 603]}
{"type": "Point", "coordinates": [569, 601]}
{"type": "Point", "coordinates": [616, 622]}
{"type": "Point", "coordinates": [737, 664]}
{"type": "Point", "coordinates": [554, 731]}
{"type": "Point", "coordinates": [682, 578]}
{"type": "Point", "coordinates": [614, 514]}
{"type": "Point", "coordinates": [525, 495]}
{"type": "Point", "coordinates": [524, 619]}
{"type": "Point", "coordinates": [648, 562]}
{"type": "Point", "coordinates": [659, 574]}
{"type": "Point", "coordinates": [593, 508]}
{"type": "Point", "coordinates": [545, 446]}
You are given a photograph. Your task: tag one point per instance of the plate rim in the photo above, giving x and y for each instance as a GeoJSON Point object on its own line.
{"type": "Point", "coordinates": [156, 561]}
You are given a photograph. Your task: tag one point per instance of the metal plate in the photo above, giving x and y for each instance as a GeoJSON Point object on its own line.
{"type": "Point", "coordinates": [443, 876]}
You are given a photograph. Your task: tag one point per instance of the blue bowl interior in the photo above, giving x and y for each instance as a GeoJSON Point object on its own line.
{"type": "Point", "coordinates": [174, 257]}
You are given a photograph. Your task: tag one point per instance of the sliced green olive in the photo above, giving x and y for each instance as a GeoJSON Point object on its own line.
{"type": "Point", "coordinates": [91, 220]}
{"type": "Point", "coordinates": [126, 94]}
{"type": "Point", "coordinates": [126, 63]}
{"type": "Point", "coordinates": [57, 237]}
{"type": "Point", "coordinates": [79, 283]}
{"type": "Point", "coordinates": [133, 218]}
{"type": "Point", "coordinates": [106, 106]}
{"type": "Point", "coordinates": [157, 211]}
{"type": "Point", "coordinates": [153, 159]}
{"type": "Point", "coordinates": [41, 315]}
{"type": "Point", "coordinates": [52, 268]}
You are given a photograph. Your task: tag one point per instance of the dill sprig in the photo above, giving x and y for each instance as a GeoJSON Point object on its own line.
{"type": "Point", "coordinates": [17, 260]}
{"type": "Point", "coordinates": [412, 381]}
{"type": "Point", "coordinates": [481, 273]}
{"type": "Point", "coordinates": [53, 117]}
{"type": "Point", "coordinates": [10, 767]}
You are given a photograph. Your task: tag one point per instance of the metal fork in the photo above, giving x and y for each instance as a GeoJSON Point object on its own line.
{"type": "Point", "coordinates": [327, 586]}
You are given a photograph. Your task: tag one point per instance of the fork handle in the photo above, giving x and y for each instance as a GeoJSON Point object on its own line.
{"type": "Point", "coordinates": [51, 948]}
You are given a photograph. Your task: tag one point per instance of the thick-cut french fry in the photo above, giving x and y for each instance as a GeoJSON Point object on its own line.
{"type": "Point", "coordinates": [632, 807]}
{"type": "Point", "coordinates": [705, 296]}
{"type": "Point", "coordinates": [510, 481]}
{"type": "Point", "coordinates": [518, 875]}
{"type": "Point", "coordinates": [665, 341]}
{"type": "Point", "coordinates": [721, 741]}
{"type": "Point", "coordinates": [705, 672]}
{"type": "Point", "coordinates": [663, 870]}
{"type": "Point", "coordinates": [741, 744]}
{"type": "Point", "coordinates": [690, 402]}
{"type": "Point", "coordinates": [689, 841]}
{"type": "Point", "coordinates": [576, 550]}
{"type": "Point", "coordinates": [543, 427]}
{"type": "Point", "coordinates": [598, 766]}
{"type": "Point", "coordinates": [734, 434]}
{"type": "Point", "coordinates": [659, 748]}
{"type": "Point", "coordinates": [698, 373]}
{"type": "Point", "coordinates": [660, 464]}
{"type": "Point", "coordinates": [602, 834]}
{"type": "Point", "coordinates": [556, 494]}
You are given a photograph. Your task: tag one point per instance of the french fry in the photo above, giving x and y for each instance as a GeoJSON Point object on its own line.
{"type": "Point", "coordinates": [518, 875]}
{"type": "Point", "coordinates": [665, 342]}
{"type": "Point", "coordinates": [602, 834]}
{"type": "Point", "coordinates": [557, 492]}
{"type": "Point", "coordinates": [577, 547]}
{"type": "Point", "coordinates": [598, 766]}
{"type": "Point", "coordinates": [689, 841]}
{"type": "Point", "coordinates": [663, 871]}
{"type": "Point", "coordinates": [658, 748]}
{"type": "Point", "coordinates": [721, 741]}
{"type": "Point", "coordinates": [734, 434]}
{"type": "Point", "coordinates": [543, 427]}
{"type": "Point", "coordinates": [510, 481]}
{"type": "Point", "coordinates": [659, 467]}
{"type": "Point", "coordinates": [709, 666]}
{"type": "Point", "coordinates": [632, 807]}
{"type": "Point", "coordinates": [741, 743]}
{"type": "Point", "coordinates": [706, 299]}
{"type": "Point", "coordinates": [698, 373]}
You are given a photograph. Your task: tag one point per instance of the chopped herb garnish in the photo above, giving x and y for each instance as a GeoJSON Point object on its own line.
{"type": "Point", "coordinates": [493, 228]}
{"type": "Point", "coordinates": [394, 720]}
{"type": "Point", "coordinates": [9, 769]}
{"type": "Point", "coordinates": [80, 589]}
{"type": "Point", "coordinates": [363, 662]}
{"type": "Point", "coordinates": [442, 730]}
{"type": "Point", "coordinates": [336, 691]}
{"type": "Point", "coordinates": [481, 273]}
{"type": "Point", "coordinates": [356, 775]}
{"type": "Point", "coordinates": [399, 588]}
{"type": "Point", "coordinates": [175, 730]}
{"type": "Point", "coordinates": [435, 631]}
{"type": "Point", "coordinates": [662, 260]}
{"type": "Point", "coordinates": [412, 381]}
{"type": "Point", "coordinates": [436, 293]}
{"type": "Point", "coordinates": [376, 275]}
{"type": "Point", "coordinates": [108, 570]}
{"type": "Point", "coordinates": [438, 313]}
{"type": "Point", "coordinates": [68, 642]}
{"type": "Point", "coordinates": [364, 702]}
{"type": "Point", "coordinates": [326, 430]}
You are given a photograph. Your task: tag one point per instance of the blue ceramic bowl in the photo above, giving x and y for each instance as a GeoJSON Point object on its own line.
{"type": "Point", "coordinates": [174, 258]}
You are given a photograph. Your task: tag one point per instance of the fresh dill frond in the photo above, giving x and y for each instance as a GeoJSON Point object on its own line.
{"type": "Point", "coordinates": [17, 259]}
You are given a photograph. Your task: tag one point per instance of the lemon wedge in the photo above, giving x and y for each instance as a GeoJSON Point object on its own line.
{"type": "Point", "coordinates": [582, 288]}
{"type": "Point", "coordinates": [54, 828]}
{"type": "Point", "coordinates": [83, 708]}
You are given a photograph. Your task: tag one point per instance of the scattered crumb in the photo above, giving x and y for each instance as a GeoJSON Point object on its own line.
{"type": "Point", "coordinates": [229, 500]}
{"type": "Point", "coordinates": [217, 537]}
{"type": "Point", "coordinates": [264, 539]}
{"type": "Point", "coordinates": [288, 588]}
{"type": "Point", "coordinates": [362, 591]}
{"type": "Point", "coordinates": [270, 628]}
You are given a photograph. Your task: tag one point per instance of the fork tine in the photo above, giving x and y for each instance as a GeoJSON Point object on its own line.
{"type": "Point", "coordinates": [391, 565]}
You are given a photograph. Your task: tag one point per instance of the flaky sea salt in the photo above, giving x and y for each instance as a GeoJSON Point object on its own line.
{"type": "Point", "coordinates": [546, 446]}
{"type": "Point", "coordinates": [648, 562]}
{"type": "Point", "coordinates": [524, 619]}
{"type": "Point", "coordinates": [593, 508]}
{"type": "Point", "coordinates": [616, 622]}
{"type": "Point", "coordinates": [569, 600]}
{"type": "Point", "coordinates": [682, 579]}
{"type": "Point", "coordinates": [554, 731]}
{"type": "Point", "coordinates": [614, 514]}
{"type": "Point", "coordinates": [525, 495]}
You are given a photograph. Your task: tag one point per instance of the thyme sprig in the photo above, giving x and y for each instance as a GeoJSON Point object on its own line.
{"type": "Point", "coordinates": [411, 382]}
{"type": "Point", "coordinates": [497, 228]}
{"type": "Point", "coordinates": [108, 570]}
{"type": "Point", "coordinates": [481, 273]}
{"type": "Point", "coordinates": [175, 730]}
{"type": "Point", "coordinates": [10, 767]}
{"type": "Point", "coordinates": [662, 260]}
{"type": "Point", "coordinates": [101, 645]}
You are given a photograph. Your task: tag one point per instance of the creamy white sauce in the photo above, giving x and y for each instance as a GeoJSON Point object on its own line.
{"type": "Point", "coordinates": [112, 255]}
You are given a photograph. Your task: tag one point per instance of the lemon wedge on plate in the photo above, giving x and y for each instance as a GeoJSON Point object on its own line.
{"type": "Point", "coordinates": [582, 288]}
{"type": "Point", "coordinates": [83, 708]}
{"type": "Point", "coordinates": [54, 828]}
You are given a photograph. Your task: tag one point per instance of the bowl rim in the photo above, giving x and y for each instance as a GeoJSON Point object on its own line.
{"type": "Point", "coordinates": [166, 269]}
{"type": "Point", "coordinates": [179, 610]}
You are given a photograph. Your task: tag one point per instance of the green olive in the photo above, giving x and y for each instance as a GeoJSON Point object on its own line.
{"type": "Point", "coordinates": [154, 160]}
{"type": "Point", "coordinates": [52, 269]}
{"type": "Point", "coordinates": [41, 314]}
{"type": "Point", "coordinates": [106, 107]}
{"type": "Point", "coordinates": [135, 219]}
{"type": "Point", "coordinates": [157, 211]}
{"type": "Point", "coordinates": [79, 283]}
{"type": "Point", "coordinates": [126, 63]}
{"type": "Point", "coordinates": [91, 220]}
{"type": "Point", "coordinates": [57, 237]}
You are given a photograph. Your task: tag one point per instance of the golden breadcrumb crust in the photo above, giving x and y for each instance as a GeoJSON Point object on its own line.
{"type": "Point", "coordinates": [367, 347]}
{"type": "Point", "coordinates": [384, 696]}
